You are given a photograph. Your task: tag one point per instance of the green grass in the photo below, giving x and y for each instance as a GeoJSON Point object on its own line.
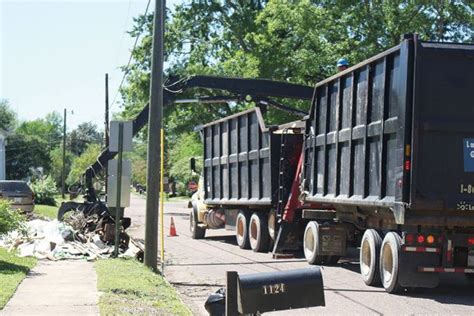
{"type": "Point", "coordinates": [13, 270]}
{"type": "Point", "coordinates": [51, 212]}
{"type": "Point", "coordinates": [130, 288]}
{"type": "Point", "coordinates": [47, 211]}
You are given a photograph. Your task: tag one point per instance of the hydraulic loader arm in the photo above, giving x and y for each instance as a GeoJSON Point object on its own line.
{"type": "Point", "coordinates": [258, 89]}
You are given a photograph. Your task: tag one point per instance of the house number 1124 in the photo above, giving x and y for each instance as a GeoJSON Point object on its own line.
{"type": "Point", "coordinates": [274, 288]}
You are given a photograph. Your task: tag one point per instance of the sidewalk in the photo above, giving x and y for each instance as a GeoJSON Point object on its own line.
{"type": "Point", "coordinates": [56, 288]}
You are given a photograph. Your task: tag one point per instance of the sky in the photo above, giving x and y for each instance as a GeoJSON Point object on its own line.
{"type": "Point", "coordinates": [54, 55]}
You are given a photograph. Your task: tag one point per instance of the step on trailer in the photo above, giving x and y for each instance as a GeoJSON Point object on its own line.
{"type": "Point", "coordinates": [389, 145]}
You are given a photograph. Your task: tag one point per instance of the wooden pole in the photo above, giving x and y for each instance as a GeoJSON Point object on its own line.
{"type": "Point", "coordinates": [154, 128]}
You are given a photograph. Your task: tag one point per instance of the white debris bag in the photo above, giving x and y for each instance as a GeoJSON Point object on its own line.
{"type": "Point", "coordinates": [37, 238]}
{"type": "Point", "coordinates": [56, 240]}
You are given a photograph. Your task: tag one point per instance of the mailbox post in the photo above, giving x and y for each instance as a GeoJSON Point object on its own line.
{"type": "Point", "coordinates": [231, 293]}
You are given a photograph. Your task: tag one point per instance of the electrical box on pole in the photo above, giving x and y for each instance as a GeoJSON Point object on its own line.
{"type": "Point", "coordinates": [112, 183]}
{"type": "Point", "coordinates": [118, 188]}
{"type": "Point", "coordinates": [127, 136]}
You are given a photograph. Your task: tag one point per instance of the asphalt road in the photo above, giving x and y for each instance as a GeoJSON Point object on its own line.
{"type": "Point", "coordinates": [198, 267]}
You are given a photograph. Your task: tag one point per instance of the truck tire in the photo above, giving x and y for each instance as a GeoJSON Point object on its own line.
{"type": "Point", "coordinates": [272, 225]}
{"type": "Point", "coordinates": [369, 257]}
{"type": "Point", "coordinates": [67, 207]}
{"type": "Point", "coordinates": [311, 244]}
{"type": "Point", "coordinates": [389, 262]}
{"type": "Point", "coordinates": [241, 230]}
{"type": "Point", "coordinates": [197, 232]}
{"type": "Point", "coordinates": [258, 232]}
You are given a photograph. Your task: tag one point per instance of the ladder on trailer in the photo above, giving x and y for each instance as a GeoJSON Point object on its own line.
{"type": "Point", "coordinates": [283, 168]}
{"type": "Point", "coordinates": [284, 188]}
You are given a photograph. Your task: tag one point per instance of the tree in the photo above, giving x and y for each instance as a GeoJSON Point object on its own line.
{"type": "Point", "coordinates": [138, 159]}
{"type": "Point", "coordinates": [296, 41]}
{"type": "Point", "coordinates": [80, 163]}
{"type": "Point", "coordinates": [30, 144]}
{"type": "Point", "coordinates": [7, 116]}
{"type": "Point", "coordinates": [24, 153]}
{"type": "Point", "coordinates": [196, 37]}
{"type": "Point", "coordinates": [186, 147]}
{"type": "Point", "coordinates": [47, 130]}
{"type": "Point", "coordinates": [56, 158]}
{"type": "Point", "coordinates": [82, 136]}
{"type": "Point", "coordinates": [289, 40]}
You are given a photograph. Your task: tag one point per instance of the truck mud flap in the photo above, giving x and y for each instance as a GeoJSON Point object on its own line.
{"type": "Point", "coordinates": [408, 275]}
{"type": "Point", "coordinates": [286, 240]}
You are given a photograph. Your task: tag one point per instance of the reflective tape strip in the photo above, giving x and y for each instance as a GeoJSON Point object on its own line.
{"type": "Point", "coordinates": [426, 269]}
{"type": "Point", "coordinates": [445, 270]}
{"type": "Point", "coordinates": [449, 252]}
{"type": "Point", "coordinates": [421, 249]}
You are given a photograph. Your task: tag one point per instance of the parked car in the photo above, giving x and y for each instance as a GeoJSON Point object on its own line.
{"type": "Point", "coordinates": [19, 194]}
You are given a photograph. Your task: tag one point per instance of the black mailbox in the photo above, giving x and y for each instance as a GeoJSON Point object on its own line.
{"type": "Point", "coordinates": [264, 292]}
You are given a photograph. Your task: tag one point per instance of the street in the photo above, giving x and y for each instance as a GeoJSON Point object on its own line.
{"type": "Point", "coordinates": [196, 268]}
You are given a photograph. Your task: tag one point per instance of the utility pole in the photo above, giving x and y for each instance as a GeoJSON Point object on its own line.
{"type": "Point", "coordinates": [154, 142]}
{"type": "Point", "coordinates": [118, 202]}
{"type": "Point", "coordinates": [63, 171]}
{"type": "Point", "coordinates": [106, 128]}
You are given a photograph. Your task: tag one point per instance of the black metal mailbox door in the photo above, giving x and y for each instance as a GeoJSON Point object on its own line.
{"type": "Point", "coordinates": [263, 292]}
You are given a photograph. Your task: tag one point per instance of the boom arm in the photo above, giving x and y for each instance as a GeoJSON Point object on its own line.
{"type": "Point", "coordinates": [259, 89]}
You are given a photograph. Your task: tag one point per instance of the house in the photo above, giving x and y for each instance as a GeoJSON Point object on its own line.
{"type": "Point", "coordinates": [3, 143]}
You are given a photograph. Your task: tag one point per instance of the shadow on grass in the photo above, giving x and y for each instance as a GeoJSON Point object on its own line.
{"type": "Point", "coordinates": [11, 268]}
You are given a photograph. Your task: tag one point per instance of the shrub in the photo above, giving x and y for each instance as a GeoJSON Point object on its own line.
{"type": "Point", "coordinates": [9, 218]}
{"type": "Point", "coordinates": [45, 190]}
{"type": "Point", "coordinates": [82, 162]}
{"type": "Point", "coordinates": [186, 147]}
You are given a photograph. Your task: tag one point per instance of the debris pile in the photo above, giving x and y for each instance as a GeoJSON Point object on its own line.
{"type": "Point", "coordinates": [78, 237]}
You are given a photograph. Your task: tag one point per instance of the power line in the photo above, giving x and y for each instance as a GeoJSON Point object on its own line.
{"type": "Point", "coordinates": [125, 26]}
{"type": "Point", "coordinates": [30, 146]}
{"type": "Point", "coordinates": [129, 60]}
{"type": "Point", "coordinates": [40, 144]}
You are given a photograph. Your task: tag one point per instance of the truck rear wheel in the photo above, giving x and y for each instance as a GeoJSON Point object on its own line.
{"type": "Point", "coordinates": [369, 257]}
{"type": "Point", "coordinates": [258, 232]}
{"type": "Point", "coordinates": [241, 230]}
{"type": "Point", "coordinates": [311, 244]}
{"type": "Point", "coordinates": [197, 232]}
{"type": "Point", "coordinates": [389, 262]}
{"type": "Point", "coordinates": [272, 225]}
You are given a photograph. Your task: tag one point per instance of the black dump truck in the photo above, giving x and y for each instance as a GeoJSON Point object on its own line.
{"type": "Point", "coordinates": [247, 170]}
{"type": "Point", "coordinates": [384, 161]}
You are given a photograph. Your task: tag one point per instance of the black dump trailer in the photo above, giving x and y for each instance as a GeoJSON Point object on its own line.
{"type": "Point", "coordinates": [242, 178]}
{"type": "Point", "coordinates": [389, 145]}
